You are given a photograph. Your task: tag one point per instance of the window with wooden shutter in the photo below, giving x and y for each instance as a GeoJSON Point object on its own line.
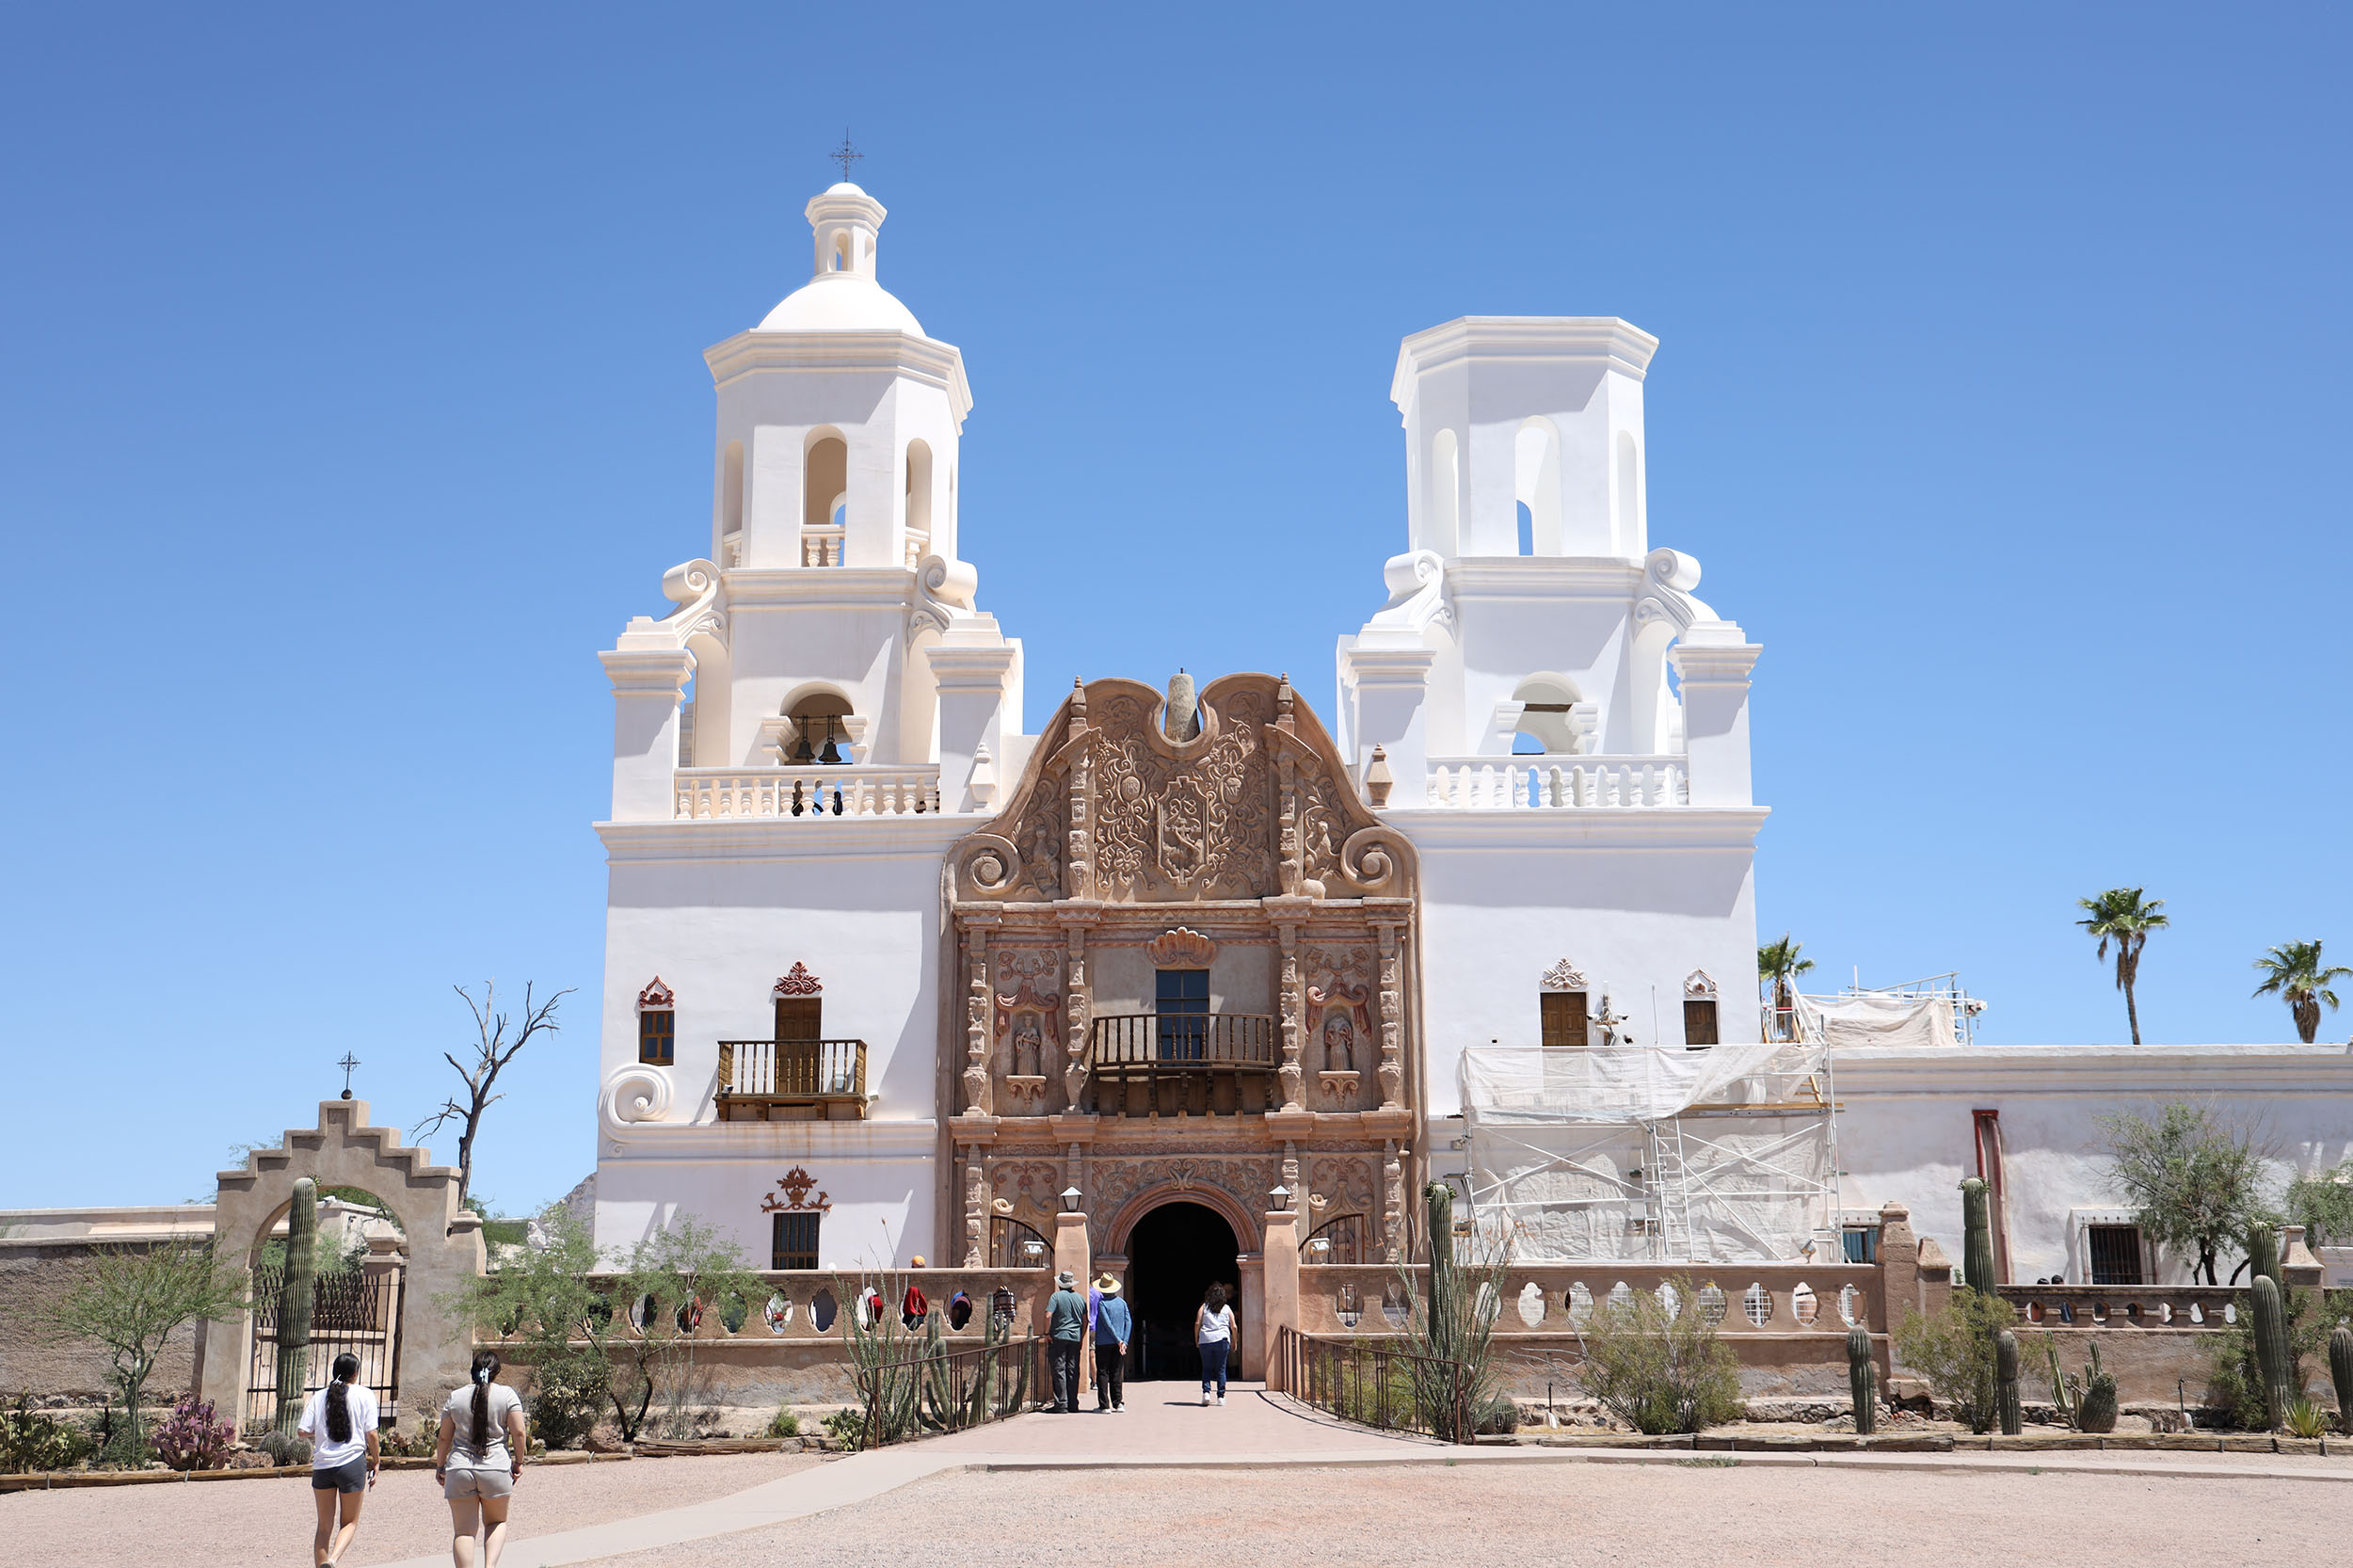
{"type": "Point", "coordinates": [1699, 1020]}
{"type": "Point", "coordinates": [1564, 1017]}
{"type": "Point", "coordinates": [656, 1036]}
{"type": "Point", "coordinates": [800, 1019]}
{"type": "Point", "coordinates": [793, 1241]}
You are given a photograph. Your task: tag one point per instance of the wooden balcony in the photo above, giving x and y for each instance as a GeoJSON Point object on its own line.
{"type": "Point", "coordinates": [1184, 1063]}
{"type": "Point", "coordinates": [791, 1081]}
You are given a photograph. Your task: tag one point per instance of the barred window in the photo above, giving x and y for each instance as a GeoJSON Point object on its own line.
{"type": "Point", "coordinates": [793, 1241]}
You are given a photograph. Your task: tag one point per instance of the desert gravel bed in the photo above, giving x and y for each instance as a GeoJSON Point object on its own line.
{"type": "Point", "coordinates": [265, 1524]}
{"type": "Point", "coordinates": [1700, 1515]}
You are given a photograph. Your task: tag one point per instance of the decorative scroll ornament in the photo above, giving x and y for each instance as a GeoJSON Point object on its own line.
{"type": "Point", "coordinates": [796, 1185]}
{"type": "Point", "coordinates": [798, 982]}
{"type": "Point", "coordinates": [1181, 949]}
{"type": "Point", "coordinates": [1562, 978]}
{"type": "Point", "coordinates": [693, 587]}
{"type": "Point", "coordinates": [1697, 983]}
{"type": "Point", "coordinates": [657, 998]}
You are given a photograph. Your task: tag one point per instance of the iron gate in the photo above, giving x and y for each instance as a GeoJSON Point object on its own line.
{"type": "Point", "coordinates": [356, 1313]}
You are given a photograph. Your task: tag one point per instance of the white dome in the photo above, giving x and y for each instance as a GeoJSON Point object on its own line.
{"type": "Point", "coordinates": [840, 302]}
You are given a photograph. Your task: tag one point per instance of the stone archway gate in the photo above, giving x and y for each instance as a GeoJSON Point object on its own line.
{"type": "Point", "coordinates": [443, 1244]}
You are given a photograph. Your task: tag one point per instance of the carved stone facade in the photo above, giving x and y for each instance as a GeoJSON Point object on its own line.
{"type": "Point", "coordinates": [1244, 858]}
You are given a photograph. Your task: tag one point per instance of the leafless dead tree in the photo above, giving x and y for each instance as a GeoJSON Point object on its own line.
{"type": "Point", "coordinates": [494, 1051]}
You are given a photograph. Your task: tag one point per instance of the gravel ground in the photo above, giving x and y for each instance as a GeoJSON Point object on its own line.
{"type": "Point", "coordinates": [1668, 1516]}
{"type": "Point", "coordinates": [249, 1523]}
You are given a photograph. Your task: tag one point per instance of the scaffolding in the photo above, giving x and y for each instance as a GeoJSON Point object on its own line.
{"type": "Point", "coordinates": [1933, 1011]}
{"type": "Point", "coordinates": [1660, 1153]}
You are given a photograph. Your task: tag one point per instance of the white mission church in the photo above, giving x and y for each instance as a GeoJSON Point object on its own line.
{"type": "Point", "coordinates": [888, 977]}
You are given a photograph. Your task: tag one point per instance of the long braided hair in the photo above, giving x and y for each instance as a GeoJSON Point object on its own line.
{"type": "Point", "coordinates": [486, 1367]}
{"type": "Point", "coordinates": [338, 1398]}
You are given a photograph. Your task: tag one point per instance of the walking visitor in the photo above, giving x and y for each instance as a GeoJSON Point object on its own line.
{"type": "Point", "coordinates": [339, 1421]}
{"type": "Point", "coordinates": [1065, 1338]}
{"type": "Point", "coordinates": [1113, 1325]}
{"type": "Point", "coordinates": [1213, 1332]}
{"type": "Point", "coordinates": [478, 1458]}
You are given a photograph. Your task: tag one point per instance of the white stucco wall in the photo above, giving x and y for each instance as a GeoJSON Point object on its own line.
{"type": "Point", "coordinates": [1906, 1135]}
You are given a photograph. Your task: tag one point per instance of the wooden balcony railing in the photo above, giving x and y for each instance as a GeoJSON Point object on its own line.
{"type": "Point", "coordinates": [809, 1080]}
{"type": "Point", "coordinates": [1184, 1063]}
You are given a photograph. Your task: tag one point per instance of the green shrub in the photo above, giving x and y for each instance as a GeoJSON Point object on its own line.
{"type": "Point", "coordinates": [1657, 1373]}
{"type": "Point", "coordinates": [2235, 1380]}
{"type": "Point", "coordinates": [1952, 1350]}
{"type": "Point", "coordinates": [30, 1440]}
{"type": "Point", "coordinates": [847, 1428]}
{"type": "Point", "coordinates": [567, 1396]}
{"type": "Point", "coordinates": [784, 1423]}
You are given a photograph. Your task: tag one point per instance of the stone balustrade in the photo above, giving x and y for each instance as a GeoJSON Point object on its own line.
{"type": "Point", "coordinates": [809, 793]}
{"type": "Point", "coordinates": [1558, 783]}
{"type": "Point", "coordinates": [1559, 1299]}
{"type": "Point", "coordinates": [2198, 1307]}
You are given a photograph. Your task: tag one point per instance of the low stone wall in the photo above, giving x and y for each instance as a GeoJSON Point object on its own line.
{"type": "Point", "coordinates": [35, 1273]}
{"type": "Point", "coordinates": [794, 1361]}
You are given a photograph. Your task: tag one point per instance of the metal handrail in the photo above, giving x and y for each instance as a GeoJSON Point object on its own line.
{"type": "Point", "coordinates": [792, 1069]}
{"type": "Point", "coordinates": [1368, 1383]}
{"type": "Point", "coordinates": [949, 1389]}
{"type": "Point", "coordinates": [1226, 1041]}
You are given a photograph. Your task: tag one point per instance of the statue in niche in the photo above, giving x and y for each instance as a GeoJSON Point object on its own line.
{"type": "Point", "coordinates": [1340, 1042]}
{"type": "Point", "coordinates": [1027, 1046]}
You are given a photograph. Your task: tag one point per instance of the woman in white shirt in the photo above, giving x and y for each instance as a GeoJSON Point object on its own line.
{"type": "Point", "coordinates": [1213, 1332]}
{"type": "Point", "coordinates": [478, 1458]}
{"type": "Point", "coordinates": [339, 1421]}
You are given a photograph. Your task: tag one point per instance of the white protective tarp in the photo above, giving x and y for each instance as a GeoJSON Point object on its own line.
{"type": "Point", "coordinates": [1623, 1083]}
{"type": "Point", "coordinates": [1877, 1020]}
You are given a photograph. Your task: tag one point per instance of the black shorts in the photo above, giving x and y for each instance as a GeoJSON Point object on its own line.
{"type": "Point", "coordinates": [350, 1476]}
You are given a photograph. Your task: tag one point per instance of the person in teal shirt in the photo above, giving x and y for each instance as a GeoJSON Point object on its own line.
{"type": "Point", "coordinates": [1112, 1325]}
{"type": "Point", "coordinates": [1066, 1339]}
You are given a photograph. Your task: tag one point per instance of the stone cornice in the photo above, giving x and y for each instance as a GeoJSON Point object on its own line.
{"type": "Point", "coordinates": [1618, 345]}
{"type": "Point", "coordinates": [771, 840]}
{"type": "Point", "coordinates": [727, 1143]}
{"type": "Point", "coordinates": [924, 359]}
{"type": "Point", "coordinates": [1552, 577]}
{"type": "Point", "coordinates": [648, 672]}
{"type": "Point", "coordinates": [2108, 1072]}
{"type": "Point", "coordinates": [818, 587]}
{"type": "Point", "coordinates": [1633, 827]}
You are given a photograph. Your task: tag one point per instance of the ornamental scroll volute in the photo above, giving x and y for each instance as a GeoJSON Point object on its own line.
{"type": "Point", "coordinates": [1258, 803]}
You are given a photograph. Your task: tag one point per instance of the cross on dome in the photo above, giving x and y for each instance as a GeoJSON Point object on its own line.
{"type": "Point", "coordinates": [845, 154]}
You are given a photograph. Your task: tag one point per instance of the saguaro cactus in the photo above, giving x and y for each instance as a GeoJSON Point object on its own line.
{"type": "Point", "coordinates": [2274, 1358]}
{"type": "Point", "coordinates": [2005, 1383]}
{"type": "Point", "coordinates": [1438, 1216]}
{"type": "Point", "coordinates": [2340, 1373]}
{"type": "Point", "coordinates": [1860, 1375]}
{"type": "Point", "coordinates": [294, 1303]}
{"type": "Point", "coordinates": [2096, 1411]}
{"type": "Point", "coordinates": [2263, 1254]}
{"type": "Point", "coordinates": [1976, 1224]}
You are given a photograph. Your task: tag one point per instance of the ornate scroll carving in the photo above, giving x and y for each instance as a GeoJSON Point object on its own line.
{"type": "Point", "coordinates": [977, 1100]}
{"type": "Point", "coordinates": [1562, 978]}
{"type": "Point", "coordinates": [975, 1209]}
{"type": "Point", "coordinates": [1257, 802]}
{"type": "Point", "coordinates": [1392, 1013]}
{"type": "Point", "coordinates": [1074, 1071]}
{"type": "Point", "coordinates": [1181, 949]}
{"type": "Point", "coordinates": [798, 982]}
{"type": "Point", "coordinates": [1288, 1074]}
{"type": "Point", "coordinates": [657, 998]}
{"type": "Point", "coordinates": [796, 1184]}
{"type": "Point", "coordinates": [1697, 985]}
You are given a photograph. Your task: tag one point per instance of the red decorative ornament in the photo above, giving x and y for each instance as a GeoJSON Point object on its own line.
{"type": "Point", "coordinates": [798, 982]}
{"type": "Point", "coordinates": [656, 996]}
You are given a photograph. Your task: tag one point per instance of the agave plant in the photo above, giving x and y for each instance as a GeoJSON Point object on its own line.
{"type": "Point", "coordinates": [2306, 1419]}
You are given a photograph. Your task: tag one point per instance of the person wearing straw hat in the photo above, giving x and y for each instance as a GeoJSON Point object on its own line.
{"type": "Point", "coordinates": [1112, 1325]}
{"type": "Point", "coordinates": [1065, 1338]}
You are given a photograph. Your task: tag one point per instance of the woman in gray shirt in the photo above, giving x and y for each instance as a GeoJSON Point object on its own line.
{"type": "Point", "coordinates": [478, 1458]}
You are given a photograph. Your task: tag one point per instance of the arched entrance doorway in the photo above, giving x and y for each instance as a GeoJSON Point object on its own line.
{"type": "Point", "coordinates": [1175, 1253]}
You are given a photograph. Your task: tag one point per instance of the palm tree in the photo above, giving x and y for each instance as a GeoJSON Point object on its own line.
{"type": "Point", "coordinates": [2121, 917]}
{"type": "Point", "coordinates": [1779, 962]}
{"type": "Point", "coordinates": [2293, 970]}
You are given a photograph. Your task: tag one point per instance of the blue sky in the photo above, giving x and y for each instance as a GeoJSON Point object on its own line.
{"type": "Point", "coordinates": [352, 397]}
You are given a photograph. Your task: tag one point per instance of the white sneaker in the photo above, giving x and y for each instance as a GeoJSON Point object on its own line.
{"type": "Point", "coordinates": [1204, 1401]}
{"type": "Point", "coordinates": [1221, 1400]}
